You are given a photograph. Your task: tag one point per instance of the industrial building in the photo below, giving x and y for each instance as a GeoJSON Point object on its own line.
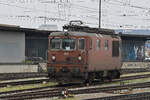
{"type": "Point", "coordinates": [17, 44]}
{"type": "Point", "coordinates": [12, 44]}
{"type": "Point", "coordinates": [133, 44]}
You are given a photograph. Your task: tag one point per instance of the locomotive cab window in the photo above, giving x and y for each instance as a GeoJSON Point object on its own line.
{"type": "Point", "coordinates": [55, 43]}
{"type": "Point", "coordinates": [98, 44]}
{"type": "Point", "coordinates": [81, 44]}
{"type": "Point", "coordinates": [64, 43]}
{"type": "Point", "coordinates": [106, 45]}
{"type": "Point", "coordinates": [115, 48]}
{"type": "Point", "coordinates": [90, 43]}
{"type": "Point", "coordinates": [68, 44]}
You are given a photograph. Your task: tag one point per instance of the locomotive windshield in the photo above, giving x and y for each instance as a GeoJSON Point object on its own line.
{"type": "Point", "coordinates": [65, 44]}
{"type": "Point", "coordinates": [68, 44]}
{"type": "Point", "coordinates": [55, 43]}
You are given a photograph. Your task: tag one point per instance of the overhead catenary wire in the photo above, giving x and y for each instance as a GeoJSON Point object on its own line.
{"type": "Point", "coordinates": [37, 9]}
{"type": "Point", "coordinates": [88, 9]}
{"type": "Point", "coordinates": [25, 7]}
{"type": "Point", "coordinates": [127, 5]}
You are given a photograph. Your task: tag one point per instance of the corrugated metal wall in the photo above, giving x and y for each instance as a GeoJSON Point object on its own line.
{"type": "Point", "coordinates": [36, 47]}
{"type": "Point", "coordinates": [36, 44]}
{"type": "Point", "coordinates": [12, 47]}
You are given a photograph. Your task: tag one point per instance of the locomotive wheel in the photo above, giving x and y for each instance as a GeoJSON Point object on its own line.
{"type": "Point", "coordinates": [118, 74]}
{"type": "Point", "coordinates": [102, 79]}
{"type": "Point", "coordinates": [89, 79]}
{"type": "Point", "coordinates": [87, 82]}
{"type": "Point", "coordinates": [60, 83]}
{"type": "Point", "coordinates": [110, 76]}
{"type": "Point", "coordinates": [49, 75]}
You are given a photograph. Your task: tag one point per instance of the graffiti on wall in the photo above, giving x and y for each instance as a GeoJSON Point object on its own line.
{"type": "Point", "coordinates": [139, 51]}
{"type": "Point", "coordinates": [147, 50]}
{"type": "Point", "coordinates": [133, 50]}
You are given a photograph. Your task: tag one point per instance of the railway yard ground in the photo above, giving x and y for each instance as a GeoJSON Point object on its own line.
{"type": "Point", "coordinates": [42, 84]}
{"type": "Point", "coordinates": [36, 86]}
{"type": "Point", "coordinates": [101, 95]}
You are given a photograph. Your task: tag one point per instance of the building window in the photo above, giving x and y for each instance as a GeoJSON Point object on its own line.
{"type": "Point", "coordinates": [98, 44]}
{"type": "Point", "coordinates": [81, 44]}
{"type": "Point", "coordinates": [115, 48]}
{"type": "Point", "coordinates": [106, 45]}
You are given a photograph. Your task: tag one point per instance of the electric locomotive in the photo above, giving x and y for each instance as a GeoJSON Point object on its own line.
{"type": "Point", "coordinates": [83, 54]}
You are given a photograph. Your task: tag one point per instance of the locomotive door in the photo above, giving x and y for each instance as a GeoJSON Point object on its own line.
{"type": "Point", "coordinates": [82, 48]}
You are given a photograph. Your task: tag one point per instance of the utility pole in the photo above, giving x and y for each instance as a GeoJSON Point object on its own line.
{"type": "Point", "coordinates": [45, 18]}
{"type": "Point", "coordinates": [99, 13]}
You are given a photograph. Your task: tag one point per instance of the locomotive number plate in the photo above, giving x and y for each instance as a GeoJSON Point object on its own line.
{"type": "Point", "coordinates": [66, 53]}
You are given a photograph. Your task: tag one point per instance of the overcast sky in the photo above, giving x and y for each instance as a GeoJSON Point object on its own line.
{"type": "Point", "coordinates": [115, 13]}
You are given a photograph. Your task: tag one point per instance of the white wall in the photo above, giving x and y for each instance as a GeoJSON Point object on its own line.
{"type": "Point", "coordinates": [12, 47]}
{"type": "Point", "coordinates": [18, 68]}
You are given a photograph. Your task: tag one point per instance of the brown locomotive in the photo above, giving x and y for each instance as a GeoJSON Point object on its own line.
{"type": "Point", "coordinates": [84, 53]}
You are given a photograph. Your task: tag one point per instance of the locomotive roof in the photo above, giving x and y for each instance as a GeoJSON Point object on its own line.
{"type": "Point", "coordinates": [76, 34]}
{"type": "Point", "coordinates": [80, 30]}
{"type": "Point", "coordinates": [88, 29]}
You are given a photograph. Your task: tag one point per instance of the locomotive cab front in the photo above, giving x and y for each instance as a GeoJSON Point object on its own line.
{"type": "Point", "coordinates": [66, 56]}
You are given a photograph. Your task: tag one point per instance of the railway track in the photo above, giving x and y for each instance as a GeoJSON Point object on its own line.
{"type": "Point", "coordinates": [27, 90]}
{"type": "Point", "coordinates": [13, 76]}
{"type": "Point", "coordinates": [23, 82]}
{"type": "Point", "coordinates": [54, 92]}
{"type": "Point", "coordinates": [137, 96]}
{"type": "Point", "coordinates": [10, 76]}
{"type": "Point", "coordinates": [134, 70]}
{"type": "Point", "coordinates": [133, 77]}
{"type": "Point", "coordinates": [130, 78]}
{"type": "Point", "coordinates": [39, 92]}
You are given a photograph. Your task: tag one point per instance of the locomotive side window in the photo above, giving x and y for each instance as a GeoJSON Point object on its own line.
{"type": "Point", "coordinates": [115, 48]}
{"type": "Point", "coordinates": [98, 44]}
{"type": "Point", "coordinates": [106, 45]}
{"type": "Point", "coordinates": [55, 43]}
{"type": "Point", "coordinates": [81, 44]}
{"type": "Point", "coordinates": [90, 43]}
{"type": "Point", "coordinates": [68, 44]}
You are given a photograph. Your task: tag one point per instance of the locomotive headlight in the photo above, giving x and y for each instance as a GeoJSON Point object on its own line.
{"type": "Point", "coordinates": [80, 58]}
{"type": "Point", "coordinates": [53, 58]}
